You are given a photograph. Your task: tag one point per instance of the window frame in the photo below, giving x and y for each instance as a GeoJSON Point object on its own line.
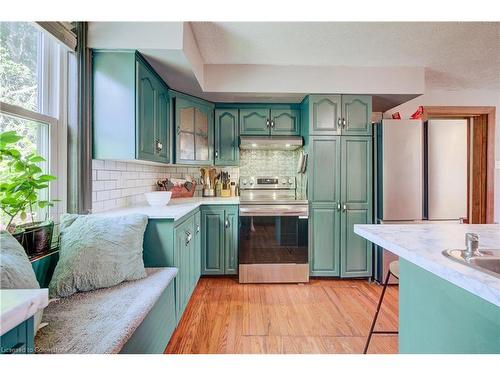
{"type": "Point", "coordinates": [53, 97]}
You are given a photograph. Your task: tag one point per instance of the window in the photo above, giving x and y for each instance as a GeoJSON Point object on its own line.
{"type": "Point", "coordinates": [35, 90]}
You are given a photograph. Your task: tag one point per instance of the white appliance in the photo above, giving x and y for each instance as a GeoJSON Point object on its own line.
{"type": "Point", "coordinates": [421, 175]}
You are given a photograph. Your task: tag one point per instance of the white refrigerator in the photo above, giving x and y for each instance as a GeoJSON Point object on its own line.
{"type": "Point", "coordinates": [422, 174]}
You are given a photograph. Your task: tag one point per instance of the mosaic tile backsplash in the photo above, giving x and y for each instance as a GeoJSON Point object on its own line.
{"type": "Point", "coordinates": [268, 162]}
{"type": "Point", "coordinates": [273, 163]}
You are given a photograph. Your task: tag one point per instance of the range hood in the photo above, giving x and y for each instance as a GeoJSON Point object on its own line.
{"type": "Point", "coordinates": [270, 142]}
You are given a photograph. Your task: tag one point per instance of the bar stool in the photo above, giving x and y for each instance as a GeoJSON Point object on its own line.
{"type": "Point", "coordinates": [394, 271]}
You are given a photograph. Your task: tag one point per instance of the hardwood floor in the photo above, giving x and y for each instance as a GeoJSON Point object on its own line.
{"type": "Point", "coordinates": [323, 316]}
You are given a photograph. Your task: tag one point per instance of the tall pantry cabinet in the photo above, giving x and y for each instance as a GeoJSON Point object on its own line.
{"type": "Point", "coordinates": [337, 131]}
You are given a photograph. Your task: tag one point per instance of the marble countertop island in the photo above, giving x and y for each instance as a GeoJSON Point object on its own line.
{"type": "Point", "coordinates": [174, 210]}
{"type": "Point", "coordinates": [18, 305]}
{"type": "Point", "coordinates": [422, 245]}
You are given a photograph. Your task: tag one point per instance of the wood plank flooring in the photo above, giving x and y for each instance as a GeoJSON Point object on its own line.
{"type": "Point", "coordinates": [323, 316]}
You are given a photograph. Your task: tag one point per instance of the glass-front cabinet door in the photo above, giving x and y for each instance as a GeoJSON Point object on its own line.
{"type": "Point", "coordinates": [193, 132]}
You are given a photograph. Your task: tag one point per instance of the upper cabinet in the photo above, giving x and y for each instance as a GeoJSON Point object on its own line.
{"type": "Point", "coordinates": [340, 114]}
{"type": "Point", "coordinates": [193, 130]}
{"type": "Point", "coordinates": [270, 120]}
{"type": "Point", "coordinates": [226, 137]}
{"type": "Point", "coordinates": [356, 115]}
{"type": "Point", "coordinates": [130, 108]}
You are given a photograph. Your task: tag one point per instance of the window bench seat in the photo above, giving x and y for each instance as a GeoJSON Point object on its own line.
{"type": "Point", "coordinates": [132, 317]}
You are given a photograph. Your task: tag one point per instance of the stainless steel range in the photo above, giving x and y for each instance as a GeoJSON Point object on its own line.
{"type": "Point", "coordinates": [273, 231]}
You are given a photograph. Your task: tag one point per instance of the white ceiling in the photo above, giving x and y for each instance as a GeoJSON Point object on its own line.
{"type": "Point", "coordinates": [456, 55]}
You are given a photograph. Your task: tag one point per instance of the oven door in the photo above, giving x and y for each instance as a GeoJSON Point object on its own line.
{"type": "Point", "coordinates": [273, 234]}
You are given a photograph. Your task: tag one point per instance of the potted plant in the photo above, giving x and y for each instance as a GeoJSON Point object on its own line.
{"type": "Point", "coordinates": [20, 186]}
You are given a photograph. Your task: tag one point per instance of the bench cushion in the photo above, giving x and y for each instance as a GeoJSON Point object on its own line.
{"type": "Point", "coordinates": [101, 321]}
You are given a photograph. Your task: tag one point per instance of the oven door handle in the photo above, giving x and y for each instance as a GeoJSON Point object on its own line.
{"type": "Point", "coordinates": [302, 213]}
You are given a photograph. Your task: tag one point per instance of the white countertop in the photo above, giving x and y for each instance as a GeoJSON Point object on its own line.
{"type": "Point", "coordinates": [18, 305]}
{"type": "Point", "coordinates": [176, 208]}
{"type": "Point", "coordinates": [422, 244]}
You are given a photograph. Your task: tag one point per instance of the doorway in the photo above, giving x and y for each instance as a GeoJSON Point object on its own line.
{"type": "Point", "coordinates": [481, 171]}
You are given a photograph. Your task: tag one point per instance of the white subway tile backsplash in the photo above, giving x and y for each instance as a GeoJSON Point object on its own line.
{"type": "Point", "coordinates": [118, 184]}
{"type": "Point", "coordinates": [102, 175]}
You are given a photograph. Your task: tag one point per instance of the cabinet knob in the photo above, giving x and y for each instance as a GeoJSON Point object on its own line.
{"type": "Point", "coordinates": [338, 206]}
{"type": "Point", "coordinates": [267, 123]}
{"type": "Point", "coordinates": [339, 122]}
{"type": "Point", "coordinates": [198, 228]}
{"type": "Point", "coordinates": [344, 208]}
{"type": "Point", "coordinates": [226, 224]}
{"type": "Point", "coordinates": [272, 124]}
{"type": "Point", "coordinates": [216, 154]}
{"type": "Point", "coordinates": [178, 130]}
{"type": "Point", "coordinates": [344, 123]}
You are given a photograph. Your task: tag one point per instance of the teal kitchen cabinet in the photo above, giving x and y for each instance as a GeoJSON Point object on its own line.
{"type": "Point", "coordinates": [324, 240]}
{"type": "Point", "coordinates": [226, 137]}
{"type": "Point", "coordinates": [169, 243]}
{"type": "Point", "coordinates": [325, 113]}
{"type": "Point", "coordinates": [357, 115]}
{"type": "Point", "coordinates": [219, 243]}
{"type": "Point", "coordinates": [130, 108]}
{"type": "Point", "coordinates": [341, 196]}
{"type": "Point", "coordinates": [254, 121]}
{"type": "Point", "coordinates": [19, 340]}
{"type": "Point", "coordinates": [285, 121]}
{"type": "Point", "coordinates": [231, 223]}
{"type": "Point", "coordinates": [340, 114]}
{"type": "Point", "coordinates": [193, 130]}
{"type": "Point", "coordinates": [324, 169]}
{"type": "Point", "coordinates": [356, 193]}
{"type": "Point", "coordinates": [197, 251]}
{"type": "Point", "coordinates": [279, 119]}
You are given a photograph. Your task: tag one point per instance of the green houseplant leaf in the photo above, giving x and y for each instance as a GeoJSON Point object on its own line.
{"type": "Point", "coordinates": [22, 181]}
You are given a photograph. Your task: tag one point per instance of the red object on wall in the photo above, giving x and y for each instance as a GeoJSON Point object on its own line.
{"type": "Point", "coordinates": [396, 116]}
{"type": "Point", "coordinates": [418, 114]}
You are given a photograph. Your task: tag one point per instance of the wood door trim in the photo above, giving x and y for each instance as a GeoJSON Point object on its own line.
{"type": "Point", "coordinates": [472, 111]}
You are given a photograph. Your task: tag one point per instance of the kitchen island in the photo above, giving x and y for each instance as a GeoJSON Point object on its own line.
{"type": "Point", "coordinates": [444, 306]}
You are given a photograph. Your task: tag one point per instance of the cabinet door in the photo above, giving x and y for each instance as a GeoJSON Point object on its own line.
{"type": "Point", "coordinates": [324, 170]}
{"type": "Point", "coordinates": [203, 142]}
{"type": "Point", "coordinates": [356, 252]}
{"type": "Point", "coordinates": [179, 263]}
{"type": "Point", "coordinates": [254, 121]}
{"type": "Point", "coordinates": [357, 113]}
{"type": "Point", "coordinates": [185, 132]}
{"type": "Point", "coordinates": [324, 243]}
{"type": "Point", "coordinates": [226, 137]}
{"type": "Point", "coordinates": [193, 132]}
{"type": "Point", "coordinates": [162, 126]}
{"type": "Point", "coordinates": [325, 114]}
{"type": "Point", "coordinates": [231, 243]}
{"type": "Point", "coordinates": [212, 241]}
{"type": "Point", "coordinates": [197, 247]}
{"type": "Point", "coordinates": [147, 103]}
{"type": "Point", "coordinates": [285, 122]}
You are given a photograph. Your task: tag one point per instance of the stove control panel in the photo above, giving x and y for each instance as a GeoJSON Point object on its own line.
{"type": "Point", "coordinates": [267, 182]}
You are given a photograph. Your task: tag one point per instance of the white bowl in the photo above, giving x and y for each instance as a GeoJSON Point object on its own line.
{"type": "Point", "coordinates": [158, 198]}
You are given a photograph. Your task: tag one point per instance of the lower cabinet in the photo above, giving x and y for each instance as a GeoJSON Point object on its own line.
{"type": "Point", "coordinates": [219, 242]}
{"type": "Point", "coordinates": [324, 249]}
{"type": "Point", "coordinates": [187, 259]}
{"type": "Point", "coordinates": [169, 243]}
{"type": "Point", "coordinates": [19, 340]}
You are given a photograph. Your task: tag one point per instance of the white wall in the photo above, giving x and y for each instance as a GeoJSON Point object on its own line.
{"type": "Point", "coordinates": [460, 98]}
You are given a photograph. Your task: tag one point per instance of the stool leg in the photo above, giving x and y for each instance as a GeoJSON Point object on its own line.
{"type": "Point", "coordinates": [376, 313]}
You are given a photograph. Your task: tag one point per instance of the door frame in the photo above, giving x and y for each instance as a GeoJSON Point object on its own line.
{"type": "Point", "coordinates": [485, 113]}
